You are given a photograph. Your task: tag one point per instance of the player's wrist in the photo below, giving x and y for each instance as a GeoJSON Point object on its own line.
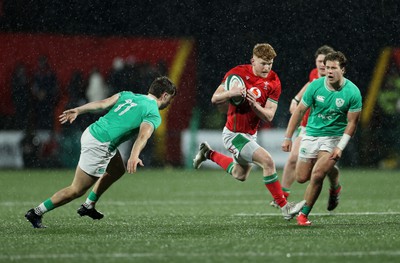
{"type": "Point", "coordinates": [296, 99]}
{"type": "Point", "coordinates": [286, 138]}
{"type": "Point", "coordinates": [343, 141]}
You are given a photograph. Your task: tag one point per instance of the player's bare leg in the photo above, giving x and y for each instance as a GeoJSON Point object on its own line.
{"type": "Point", "coordinates": [335, 188]}
{"type": "Point", "coordinates": [322, 166]}
{"type": "Point", "coordinates": [289, 170]}
{"type": "Point", "coordinates": [263, 158]}
{"type": "Point", "coordinates": [81, 183]}
{"type": "Point", "coordinates": [115, 170]}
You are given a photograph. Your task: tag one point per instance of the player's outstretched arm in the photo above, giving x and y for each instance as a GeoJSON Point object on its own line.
{"type": "Point", "coordinates": [71, 114]}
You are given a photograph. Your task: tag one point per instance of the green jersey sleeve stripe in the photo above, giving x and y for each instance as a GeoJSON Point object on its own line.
{"type": "Point", "coordinates": [274, 101]}
{"type": "Point", "coordinates": [150, 123]}
{"type": "Point", "coordinates": [355, 110]}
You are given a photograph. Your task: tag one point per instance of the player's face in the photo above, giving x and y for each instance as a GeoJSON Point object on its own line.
{"type": "Point", "coordinates": [166, 100]}
{"type": "Point", "coordinates": [319, 64]}
{"type": "Point", "coordinates": [334, 74]}
{"type": "Point", "coordinates": [261, 67]}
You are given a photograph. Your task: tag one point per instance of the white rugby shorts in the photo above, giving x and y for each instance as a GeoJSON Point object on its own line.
{"type": "Point", "coordinates": [95, 155]}
{"type": "Point", "coordinates": [241, 145]}
{"type": "Point", "coordinates": [310, 145]}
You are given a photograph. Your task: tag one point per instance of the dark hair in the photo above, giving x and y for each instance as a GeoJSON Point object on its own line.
{"type": "Point", "coordinates": [161, 85]}
{"type": "Point", "coordinates": [336, 56]}
{"type": "Point", "coordinates": [323, 50]}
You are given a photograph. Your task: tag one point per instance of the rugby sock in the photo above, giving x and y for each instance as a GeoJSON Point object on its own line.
{"type": "Point", "coordinates": [222, 160]}
{"type": "Point", "coordinates": [306, 209]}
{"type": "Point", "coordinates": [44, 207]}
{"type": "Point", "coordinates": [286, 192]}
{"type": "Point", "coordinates": [335, 187]}
{"type": "Point", "coordinates": [274, 186]}
{"type": "Point", "coordinates": [91, 200]}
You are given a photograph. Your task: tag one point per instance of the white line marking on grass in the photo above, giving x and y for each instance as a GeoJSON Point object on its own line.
{"type": "Point", "coordinates": [323, 214]}
{"type": "Point", "coordinates": [150, 202]}
{"type": "Point", "coordinates": [248, 254]}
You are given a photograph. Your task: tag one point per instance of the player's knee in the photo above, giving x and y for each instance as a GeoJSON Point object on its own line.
{"type": "Point", "coordinates": [302, 178]}
{"type": "Point", "coordinates": [267, 163]}
{"type": "Point", "coordinates": [318, 176]}
{"type": "Point", "coordinates": [318, 172]}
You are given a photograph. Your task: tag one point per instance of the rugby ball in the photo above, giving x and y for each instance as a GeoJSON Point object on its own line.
{"type": "Point", "coordinates": [230, 82]}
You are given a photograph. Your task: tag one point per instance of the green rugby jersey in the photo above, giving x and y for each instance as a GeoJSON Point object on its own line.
{"type": "Point", "coordinates": [123, 120]}
{"type": "Point", "coordinates": [329, 108]}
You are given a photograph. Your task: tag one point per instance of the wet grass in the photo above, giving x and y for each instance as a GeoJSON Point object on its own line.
{"type": "Point", "coordinates": [199, 216]}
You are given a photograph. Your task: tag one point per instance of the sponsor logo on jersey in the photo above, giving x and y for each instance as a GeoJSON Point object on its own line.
{"type": "Point", "coordinates": [256, 92]}
{"type": "Point", "coordinates": [320, 98]}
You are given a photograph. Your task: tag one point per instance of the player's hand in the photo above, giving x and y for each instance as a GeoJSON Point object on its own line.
{"type": "Point", "coordinates": [251, 98]}
{"type": "Point", "coordinates": [132, 164]}
{"type": "Point", "coordinates": [286, 145]}
{"type": "Point", "coordinates": [68, 115]}
{"type": "Point", "coordinates": [237, 91]}
{"type": "Point", "coordinates": [336, 154]}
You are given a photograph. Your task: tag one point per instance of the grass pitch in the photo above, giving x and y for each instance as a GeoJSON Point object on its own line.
{"type": "Point", "coordinates": [199, 216]}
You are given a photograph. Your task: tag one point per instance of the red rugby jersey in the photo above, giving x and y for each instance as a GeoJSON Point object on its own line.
{"type": "Point", "coordinates": [313, 75]}
{"type": "Point", "coordinates": [242, 118]}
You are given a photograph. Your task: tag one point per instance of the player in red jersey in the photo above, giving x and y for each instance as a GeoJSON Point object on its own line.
{"type": "Point", "coordinates": [288, 176]}
{"type": "Point", "coordinates": [262, 90]}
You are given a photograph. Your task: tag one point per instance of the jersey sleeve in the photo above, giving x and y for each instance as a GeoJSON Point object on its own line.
{"type": "Point", "coordinates": [154, 118]}
{"type": "Point", "coordinates": [356, 101]}
{"type": "Point", "coordinates": [276, 90]}
{"type": "Point", "coordinates": [308, 95]}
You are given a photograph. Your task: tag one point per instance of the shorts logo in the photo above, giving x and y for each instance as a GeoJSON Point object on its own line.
{"type": "Point", "coordinates": [100, 170]}
{"type": "Point", "coordinates": [339, 102]}
{"type": "Point", "coordinates": [232, 150]}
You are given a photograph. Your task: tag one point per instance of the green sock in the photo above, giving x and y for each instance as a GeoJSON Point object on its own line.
{"type": "Point", "coordinates": [91, 200]}
{"type": "Point", "coordinates": [286, 191]}
{"type": "Point", "coordinates": [44, 207]}
{"type": "Point", "coordinates": [230, 168]}
{"type": "Point", "coordinates": [306, 209]}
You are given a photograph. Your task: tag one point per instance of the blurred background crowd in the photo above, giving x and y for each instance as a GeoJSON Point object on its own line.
{"type": "Point", "coordinates": [223, 33]}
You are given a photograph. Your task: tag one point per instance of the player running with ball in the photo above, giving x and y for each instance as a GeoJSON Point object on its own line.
{"type": "Point", "coordinates": [262, 89]}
